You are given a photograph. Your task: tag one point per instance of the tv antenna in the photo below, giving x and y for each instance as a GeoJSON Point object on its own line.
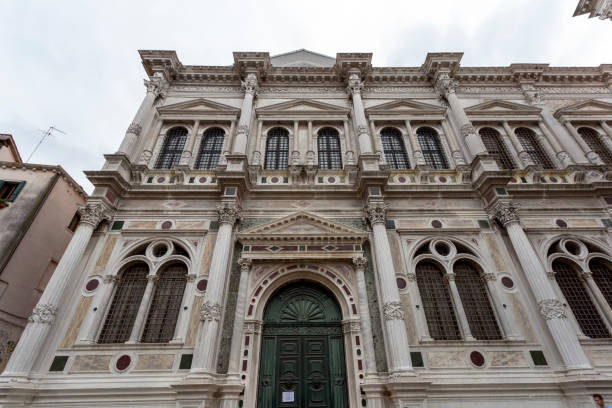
{"type": "Point", "coordinates": [45, 134]}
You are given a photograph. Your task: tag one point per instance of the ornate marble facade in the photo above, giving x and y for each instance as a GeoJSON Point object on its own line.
{"type": "Point", "coordinates": [479, 194]}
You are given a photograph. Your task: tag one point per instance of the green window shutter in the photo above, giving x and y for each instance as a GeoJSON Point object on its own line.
{"type": "Point", "coordinates": [16, 192]}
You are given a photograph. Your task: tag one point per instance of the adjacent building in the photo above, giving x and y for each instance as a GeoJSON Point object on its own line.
{"type": "Point", "coordinates": [38, 215]}
{"type": "Point", "coordinates": [601, 9]}
{"type": "Point", "coordinates": [301, 230]}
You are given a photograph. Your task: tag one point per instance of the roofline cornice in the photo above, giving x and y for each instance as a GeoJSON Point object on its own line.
{"type": "Point", "coordinates": [46, 168]}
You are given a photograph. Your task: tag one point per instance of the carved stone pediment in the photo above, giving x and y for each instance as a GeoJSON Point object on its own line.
{"type": "Point", "coordinates": [302, 109]}
{"type": "Point", "coordinates": [405, 107]}
{"type": "Point", "coordinates": [199, 106]}
{"type": "Point", "coordinates": [496, 108]}
{"type": "Point", "coordinates": [301, 227]}
{"type": "Point", "coordinates": [589, 109]}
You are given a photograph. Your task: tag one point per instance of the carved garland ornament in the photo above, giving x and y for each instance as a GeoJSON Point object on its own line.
{"type": "Point", "coordinates": [393, 311]}
{"type": "Point", "coordinates": [210, 311]}
{"type": "Point", "coordinates": [92, 214]}
{"type": "Point", "coordinates": [376, 212]}
{"type": "Point", "coordinates": [44, 314]}
{"type": "Point", "coordinates": [552, 309]}
{"type": "Point", "coordinates": [228, 213]}
{"type": "Point", "coordinates": [506, 212]}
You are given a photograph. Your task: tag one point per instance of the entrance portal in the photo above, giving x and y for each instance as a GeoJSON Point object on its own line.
{"type": "Point", "coordinates": [302, 351]}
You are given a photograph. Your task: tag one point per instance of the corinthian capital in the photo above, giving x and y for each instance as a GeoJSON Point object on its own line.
{"type": "Point", "coordinates": [376, 212]}
{"type": "Point", "coordinates": [92, 214]}
{"type": "Point", "coordinates": [506, 212]}
{"type": "Point", "coordinates": [134, 128]}
{"type": "Point", "coordinates": [355, 84]}
{"type": "Point", "coordinates": [359, 262]}
{"type": "Point", "coordinates": [228, 213]}
{"type": "Point", "coordinates": [445, 84]}
{"type": "Point", "coordinates": [156, 85]}
{"type": "Point", "coordinates": [250, 83]}
{"type": "Point", "coordinates": [245, 264]}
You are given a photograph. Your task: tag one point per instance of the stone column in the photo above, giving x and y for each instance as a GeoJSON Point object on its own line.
{"type": "Point", "coordinates": [89, 330]}
{"type": "Point", "coordinates": [589, 153]}
{"type": "Point", "coordinates": [147, 152]}
{"type": "Point", "coordinates": [393, 315]}
{"type": "Point", "coordinates": [155, 86]}
{"type": "Point", "coordinates": [188, 149]}
{"type": "Point", "coordinates": [310, 154]}
{"type": "Point", "coordinates": [599, 298]}
{"type": "Point", "coordinates": [208, 332]}
{"type": "Point", "coordinates": [452, 143]}
{"type": "Point", "coordinates": [141, 316]}
{"type": "Point", "coordinates": [551, 308]}
{"type": "Point", "coordinates": [350, 154]}
{"type": "Point", "coordinates": [377, 144]}
{"type": "Point", "coordinates": [258, 155]}
{"type": "Point", "coordinates": [359, 264]}
{"type": "Point", "coordinates": [417, 154]}
{"type": "Point", "coordinates": [461, 316]}
{"type": "Point", "coordinates": [294, 145]}
{"type": "Point", "coordinates": [240, 141]}
{"type": "Point", "coordinates": [607, 138]}
{"type": "Point", "coordinates": [558, 152]}
{"type": "Point", "coordinates": [355, 85]}
{"type": "Point", "coordinates": [524, 157]}
{"type": "Point", "coordinates": [446, 86]}
{"type": "Point", "coordinates": [234, 360]}
{"type": "Point", "coordinates": [39, 323]}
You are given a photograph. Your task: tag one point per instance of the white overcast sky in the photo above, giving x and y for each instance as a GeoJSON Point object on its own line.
{"type": "Point", "coordinates": [74, 64]}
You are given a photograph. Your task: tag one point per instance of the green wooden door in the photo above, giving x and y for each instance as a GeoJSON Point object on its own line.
{"type": "Point", "coordinates": [302, 353]}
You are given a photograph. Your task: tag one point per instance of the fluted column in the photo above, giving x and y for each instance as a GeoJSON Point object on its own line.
{"type": "Point", "coordinates": [355, 85]}
{"type": "Point", "coordinates": [446, 86]}
{"type": "Point", "coordinates": [393, 314]}
{"type": "Point", "coordinates": [141, 316]}
{"type": "Point", "coordinates": [240, 141]}
{"type": "Point", "coordinates": [188, 149]}
{"type": "Point", "coordinates": [155, 87]}
{"type": "Point", "coordinates": [551, 308]}
{"type": "Point", "coordinates": [461, 316]}
{"type": "Point", "coordinates": [39, 323]}
{"type": "Point", "coordinates": [589, 153]}
{"type": "Point", "coordinates": [89, 329]}
{"type": "Point", "coordinates": [208, 332]}
{"type": "Point", "coordinates": [234, 360]}
{"type": "Point", "coordinates": [452, 143]}
{"type": "Point", "coordinates": [364, 314]}
{"type": "Point", "coordinates": [417, 154]}
{"type": "Point", "coordinates": [524, 157]}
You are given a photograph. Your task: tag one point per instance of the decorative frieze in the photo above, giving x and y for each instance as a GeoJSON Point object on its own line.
{"type": "Point", "coordinates": [44, 313]}
{"type": "Point", "coordinates": [552, 309]}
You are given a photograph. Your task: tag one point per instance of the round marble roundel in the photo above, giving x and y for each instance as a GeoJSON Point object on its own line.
{"type": "Point", "coordinates": [123, 362]}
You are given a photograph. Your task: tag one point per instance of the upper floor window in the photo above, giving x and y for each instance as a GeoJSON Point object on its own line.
{"type": "Point", "coordinates": [393, 146]}
{"type": "Point", "coordinates": [495, 147]}
{"type": "Point", "coordinates": [172, 149]}
{"type": "Point", "coordinates": [602, 275]}
{"type": "Point", "coordinates": [527, 139]}
{"type": "Point", "coordinates": [210, 149]}
{"type": "Point", "coordinates": [330, 154]}
{"type": "Point", "coordinates": [277, 149]}
{"type": "Point", "coordinates": [9, 190]}
{"type": "Point", "coordinates": [592, 138]}
{"type": "Point", "coordinates": [431, 148]}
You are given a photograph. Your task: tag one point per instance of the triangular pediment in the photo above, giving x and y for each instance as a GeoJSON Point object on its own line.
{"type": "Point", "coordinates": [585, 108]}
{"type": "Point", "coordinates": [405, 106]}
{"type": "Point", "coordinates": [200, 105]}
{"type": "Point", "coordinates": [302, 226]}
{"type": "Point", "coordinates": [302, 106]}
{"type": "Point", "coordinates": [498, 107]}
{"type": "Point", "coordinates": [302, 58]}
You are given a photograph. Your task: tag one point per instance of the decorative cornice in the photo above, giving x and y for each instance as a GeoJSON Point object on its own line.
{"type": "Point", "coordinates": [506, 212]}
{"type": "Point", "coordinates": [43, 313]}
{"type": "Point", "coordinates": [93, 214]}
{"type": "Point", "coordinates": [376, 212]}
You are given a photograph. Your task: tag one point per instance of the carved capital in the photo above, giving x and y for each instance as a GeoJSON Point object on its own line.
{"type": "Point", "coordinates": [393, 311]}
{"type": "Point", "coordinates": [506, 212]}
{"type": "Point", "coordinates": [245, 264]}
{"type": "Point", "coordinates": [526, 158]}
{"type": "Point", "coordinates": [531, 93]}
{"type": "Point", "coordinates": [450, 277]}
{"type": "Point", "coordinates": [153, 278]}
{"type": "Point", "coordinates": [134, 128]}
{"type": "Point", "coordinates": [359, 262]}
{"type": "Point", "coordinates": [419, 158]}
{"type": "Point", "coordinates": [157, 86]}
{"type": "Point", "coordinates": [551, 275]}
{"type": "Point", "coordinates": [210, 311]}
{"type": "Point", "coordinates": [250, 84]}
{"type": "Point", "coordinates": [44, 314]}
{"type": "Point", "coordinates": [191, 277]}
{"type": "Point", "coordinates": [350, 327]}
{"type": "Point", "coordinates": [411, 277]}
{"type": "Point", "coordinates": [458, 157]}
{"type": "Point", "coordinates": [376, 212]}
{"type": "Point", "coordinates": [586, 275]}
{"type": "Point", "coordinates": [467, 129]}
{"type": "Point", "coordinates": [229, 213]}
{"type": "Point", "coordinates": [489, 276]}
{"type": "Point", "coordinates": [243, 129]}
{"type": "Point", "coordinates": [445, 84]}
{"type": "Point", "coordinates": [108, 279]}
{"type": "Point", "coordinates": [92, 214]}
{"type": "Point", "coordinates": [355, 84]}
{"type": "Point", "coordinates": [362, 129]}
{"type": "Point", "coordinates": [552, 309]}
{"type": "Point", "coordinates": [145, 157]}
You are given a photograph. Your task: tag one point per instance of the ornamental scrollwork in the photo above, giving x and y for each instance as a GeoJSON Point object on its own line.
{"type": "Point", "coordinates": [92, 214]}
{"type": "Point", "coordinates": [210, 311]}
{"type": "Point", "coordinates": [250, 83]}
{"type": "Point", "coordinates": [229, 213]}
{"type": "Point", "coordinates": [355, 84]}
{"type": "Point", "coordinates": [393, 311]}
{"type": "Point", "coordinates": [134, 128]}
{"type": "Point", "coordinates": [359, 262]}
{"type": "Point", "coordinates": [506, 212]}
{"type": "Point", "coordinates": [552, 309]}
{"type": "Point", "coordinates": [44, 313]}
{"type": "Point", "coordinates": [376, 212]}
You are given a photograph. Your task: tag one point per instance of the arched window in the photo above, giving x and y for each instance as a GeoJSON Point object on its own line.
{"type": "Point", "coordinates": [124, 307]}
{"type": "Point", "coordinates": [528, 140]}
{"type": "Point", "coordinates": [591, 137]}
{"type": "Point", "coordinates": [437, 303]}
{"type": "Point", "coordinates": [166, 304]}
{"type": "Point", "coordinates": [579, 300]}
{"type": "Point", "coordinates": [170, 154]}
{"type": "Point", "coordinates": [431, 148]}
{"type": "Point", "coordinates": [277, 149]}
{"type": "Point", "coordinates": [475, 301]}
{"type": "Point", "coordinates": [395, 153]}
{"type": "Point", "coordinates": [602, 275]}
{"type": "Point", "coordinates": [210, 149]}
{"type": "Point", "coordinates": [330, 154]}
{"type": "Point", "coordinates": [495, 147]}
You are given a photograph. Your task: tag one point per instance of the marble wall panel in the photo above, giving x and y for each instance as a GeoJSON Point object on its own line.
{"type": "Point", "coordinates": [600, 357]}
{"type": "Point", "coordinates": [142, 224]}
{"type": "Point", "coordinates": [154, 362]}
{"type": "Point", "coordinates": [209, 246]}
{"type": "Point", "coordinates": [105, 254]}
{"type": "Point", "coordinates": [396, 253]}
{"type": "Point", "coordinates": [446, 359]}
{"type": "Point", "coordinates": [190, 225]}
{"type": "Point", "coordinates": [537, 222]}
{"type": "Point", "coordinates": [508, 359]}
{"type": "Point", "coordinates": [459, 223]}
{"type": "Point", "coordinates": [412, 223]}
{"type": "Point", "coordinates": [494, 251]}
{"type": "Point", "coordinates": [77, 320]}
{"type": "Point", "coordinates": [521, 318]}
{"type": "Point", "coordinates": [91, 363]}
{"type": "Point", "coordinates": [409, 318]}
{"type": "Point", "coordinates": [194, 320]}
{"type": "Point", "coordinates": [583, 222]}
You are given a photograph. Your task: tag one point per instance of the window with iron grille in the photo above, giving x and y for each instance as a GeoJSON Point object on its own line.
{"type": "Point", "coordinates": [602, 275]}
{"type": "Point", "coordinates": [579, 300]}
{"type": "Point", "coordinates": [210, 149]}
{"type": "Point", "coordinates": [431, 148]}
{"type": "Point", "coordinates": [592, 138]}
{"type": "Point", "coordinates": [495, 147]}
{"type": "Point", "coordinates": [475, 301]}
{"type": "Point", "coordinates": [124, 307]}
{"type": "Point", "coordinates": [330, 153]}
{"type": "Point", "coordinates": [277, 149]}
{"type": "Point", "coordinates": [437, 303]}
{"type": "Point", "coordinates": [166, 305]}
{"type": "Point", "coordinates": [394, 149]}
{"type": "Point", "coordinates": [172, 149]}
{"type": "Point", "coordinates": [528, 140]}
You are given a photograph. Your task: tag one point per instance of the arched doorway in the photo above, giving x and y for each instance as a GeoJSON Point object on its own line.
{"type": "Point", "coordinates": [302, 350]}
